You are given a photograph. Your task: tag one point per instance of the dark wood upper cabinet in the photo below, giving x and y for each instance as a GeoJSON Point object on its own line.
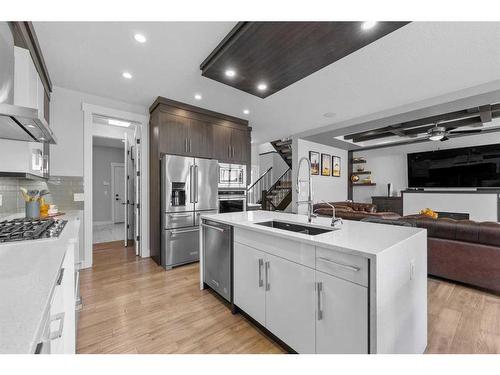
{"type": "Point", "coordinates": [231, 144]}
{"type": "Point", "coordinates": [221, 141]}
{"type": "Point", "coordinates": [240, 142]}
{"type": "Point", "coordinates": [200, 139]}
{"type": "Point", "coordinates": [191, 131]}
{"type": "Point", "coordinates": [173, 134]}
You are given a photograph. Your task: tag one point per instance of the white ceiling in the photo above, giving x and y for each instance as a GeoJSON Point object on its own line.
{"type": "Point", "coordinates": [419, 61]}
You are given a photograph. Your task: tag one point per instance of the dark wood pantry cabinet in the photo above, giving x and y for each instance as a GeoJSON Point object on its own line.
{"type": "Point", "coordinates": [182, 129]}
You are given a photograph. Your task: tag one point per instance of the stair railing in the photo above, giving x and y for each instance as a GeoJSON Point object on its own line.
{"type": "Point", "coordinates": [282, 187]}
{"type": "Point", "coordinates": [254, 191]}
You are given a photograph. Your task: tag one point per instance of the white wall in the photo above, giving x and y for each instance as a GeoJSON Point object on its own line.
{"type": "Point", "coordinates": [254, 164]}
{"type": "Point", "coordinates": [66, 120]}
{"type": "Point", "coordinates": [326, 188]}
{"type": "Point", "coordinates": [274, 160]}
{"type": "Point", "coordinates": [389, 165]}
{"type": "Point", "coordinates": [101, 180]}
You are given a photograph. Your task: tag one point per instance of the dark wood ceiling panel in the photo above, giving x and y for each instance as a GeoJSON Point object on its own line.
{"type": "Point", "coordinates": [476, 116]}
{"type": "Point", "coordinates": [282, 53]}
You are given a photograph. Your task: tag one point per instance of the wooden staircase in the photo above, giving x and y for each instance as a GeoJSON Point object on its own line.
{"type": "Point", "coordinates": [284, 148]}
{"type": "Point", "coordinates": [279, 195]}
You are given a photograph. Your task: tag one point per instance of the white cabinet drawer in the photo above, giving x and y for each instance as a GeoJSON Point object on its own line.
{"type": "Point", "coordinates": [295, 251]}
{"type": "Point", "coordinates": [346, 266]}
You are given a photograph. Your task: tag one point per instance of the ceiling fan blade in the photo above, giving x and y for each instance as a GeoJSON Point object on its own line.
{"type": "Point", "coordinates": [466, 131]}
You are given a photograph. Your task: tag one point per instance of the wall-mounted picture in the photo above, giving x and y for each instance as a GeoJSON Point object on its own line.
{"type": "Point", "coordinates": [326, 165]}
{"type": "Point", "coordinates": [314, 159]}
{"type": "Point", "coordinates": [336, 166]}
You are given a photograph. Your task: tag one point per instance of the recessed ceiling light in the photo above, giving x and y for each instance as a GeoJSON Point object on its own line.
{"type": "Point", "coordinates": [262, 86]}
{"type": "Point", "coordinates": [126, 75]}
{"type": "Point", "coordinates": [197, 96]}
{"type": "Point", "coordinates": [41, 139]}
{"type": "Point", "coordinates": [114, 122]}
{"type": "Point", "coordinates": [246, 111]}
{"type": "Point", "coordinates": [329, 114]}
{"type": "Point", "coordinates": [30, 126]}
{"type": "Point", "coordinates": [230, 73]}
{"type": "Point", "coordinates": [367, 25]}
{"type": "Point", "coordinates": [140, 38]}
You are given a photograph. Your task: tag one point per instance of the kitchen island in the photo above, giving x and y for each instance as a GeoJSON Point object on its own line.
{"type": "Point", "coordinates": [358, 288]}
{"type": "Point", "coordinates": [37, 292]}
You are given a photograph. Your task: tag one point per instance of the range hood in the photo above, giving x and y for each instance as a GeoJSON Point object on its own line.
{"type": "Point", "coordinates": [18, 122]}
{"type": "Point", "coordinates": [24, 124]}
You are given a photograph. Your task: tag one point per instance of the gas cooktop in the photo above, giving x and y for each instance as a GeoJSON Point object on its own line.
{"type": "Point", "coordinates": [30, 229]}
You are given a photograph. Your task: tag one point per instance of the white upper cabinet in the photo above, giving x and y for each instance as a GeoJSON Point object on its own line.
{"type": "Point", "coordinates": [28, 89]}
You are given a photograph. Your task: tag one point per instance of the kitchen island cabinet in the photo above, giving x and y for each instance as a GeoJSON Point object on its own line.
{"type": "Point", "coordinates": [358, 289]}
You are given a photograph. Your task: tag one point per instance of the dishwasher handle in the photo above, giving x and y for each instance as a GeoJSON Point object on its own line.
{"type": "Point", "coordinates": [213, 227]}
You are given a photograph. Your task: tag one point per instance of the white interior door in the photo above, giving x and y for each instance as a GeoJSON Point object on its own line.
{"type": "Point", "coordinates": [125, 183]}
{"type": "Point", "coordinates": [137, 197]}
{"type": "Point", "coordinates": [119, 197]}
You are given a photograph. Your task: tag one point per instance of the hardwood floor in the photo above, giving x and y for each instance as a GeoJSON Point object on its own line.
{"type": "Point", "coordinates": [132, 306]}
{"type": "Point", "coordinates": [462, 320]}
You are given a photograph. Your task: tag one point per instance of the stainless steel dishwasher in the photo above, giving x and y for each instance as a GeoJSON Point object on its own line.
{"type": "Point", "coordinates": [218, 258]}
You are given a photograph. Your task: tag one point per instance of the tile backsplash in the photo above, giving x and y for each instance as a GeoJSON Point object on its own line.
{"type": "Point", "coordinates": [61, 190]}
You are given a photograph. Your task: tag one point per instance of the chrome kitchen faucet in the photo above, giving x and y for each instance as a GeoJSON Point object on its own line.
{"type": "Point", "coordinates": [309, 200]}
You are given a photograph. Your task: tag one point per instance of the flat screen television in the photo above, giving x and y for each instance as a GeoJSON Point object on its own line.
{"type": "Point", "coordinates": [469, 167]}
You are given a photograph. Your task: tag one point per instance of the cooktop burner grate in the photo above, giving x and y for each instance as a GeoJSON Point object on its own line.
{"type": "Point", "coordinates": [29, 229]}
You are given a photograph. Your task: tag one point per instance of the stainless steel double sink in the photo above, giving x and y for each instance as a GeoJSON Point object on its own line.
{"type": "Point", "coordinates": [297, 228]}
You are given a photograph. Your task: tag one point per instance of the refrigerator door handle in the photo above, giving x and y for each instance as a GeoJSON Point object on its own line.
{"type": "Point", "coordinates": [196, 184]}
{"type": "Point", "coordinates": [191, 190]}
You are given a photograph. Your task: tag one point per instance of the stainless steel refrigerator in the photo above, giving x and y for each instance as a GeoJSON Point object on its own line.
{"type": "Point", "coordinates": [188, 189]}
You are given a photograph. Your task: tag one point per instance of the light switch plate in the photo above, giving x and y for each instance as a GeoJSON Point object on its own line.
{"type": "Point", "coordinates": [78, 197]}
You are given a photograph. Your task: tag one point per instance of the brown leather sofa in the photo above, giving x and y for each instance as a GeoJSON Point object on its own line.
{"type": "Point", "coordinates": [352, 211]}
{"type": "Point", "coordinates": [460, 250]}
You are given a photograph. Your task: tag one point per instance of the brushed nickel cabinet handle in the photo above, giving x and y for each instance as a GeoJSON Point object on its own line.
{"type": "Point", "coordinates": [60, 278]}
{"type": "Point", "coordinates": [261, 281]}
{"type": "Point", "coordinates": [268, 284]}
{"type": "Point", "coordinates": [319, 289]}
{"type": "Point", "coordinates": [346, 266]}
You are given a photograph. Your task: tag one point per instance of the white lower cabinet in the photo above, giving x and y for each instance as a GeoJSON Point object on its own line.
{"type": "Point", "coordinates": [290, 303]}
{"type": "Point", "coordinates": [248, 288]}
{"type": "Point", "coordinates": [277, 293]}
{"type": "Point", "coordinates": [62, 308]}
{"type": "Point", "coordinates": [342, 319]}
{"type": "Point", "coordinates": [309, 310]}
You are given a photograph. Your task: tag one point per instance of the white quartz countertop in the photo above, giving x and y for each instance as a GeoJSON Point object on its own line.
{"type": "Point", "coordinates": [28, 274]}
{"type": "Point", "coordinates": [359, 238]}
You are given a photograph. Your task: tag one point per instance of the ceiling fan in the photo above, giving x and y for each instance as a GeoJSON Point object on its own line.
{"type": "Point", "coordinates": [441, 133]}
